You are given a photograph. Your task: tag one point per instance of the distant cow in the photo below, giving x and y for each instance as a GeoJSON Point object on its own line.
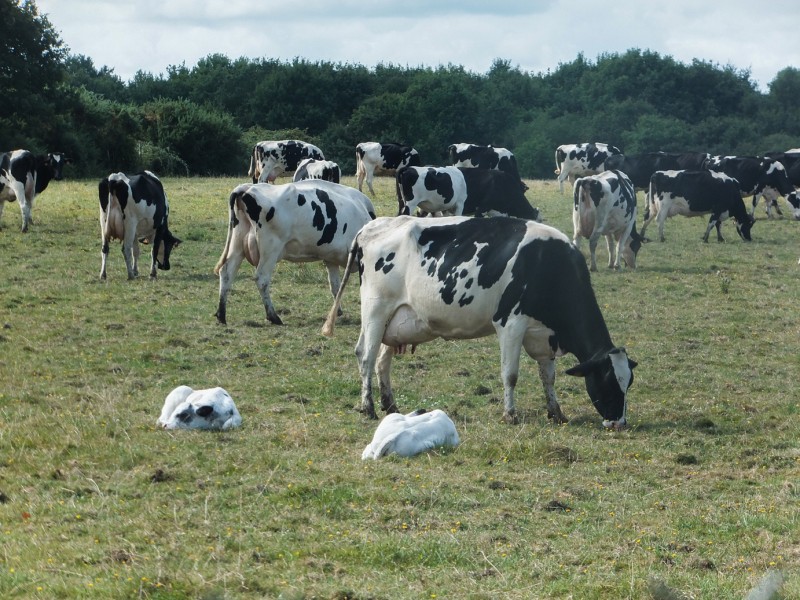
{"type": "Point", "coordinates": [311, 168]}
{"type": "Point", "coordinates": [579, 160]}
{"type": "Point", "coordinates": [495, 193]}
{"type": "Point", "coordinates": [23, 175]}
{"type": "Point", "coordinates": [376, 156]}
{"type": "Point", "coordinates": [185, 408]}
{"type": "Point", "coordinates": [300, 222]}
{"type": "Point", "coordinates": [791, 161]}
{"type": "Point", "coordinates": [473, 156]}
{"type": "Point", "coordinates": [465, 278]}
{"type": "Point", "coordinates": [756, 175]}
{"type": "Point", "coordinates": [270, 159]}
{"type": "Point", "coordinates": [695, 193]}
{"type": "Point", "coordinates": [432, 189]}
{"type": "Point", "coordinates": [605, 205]}
{"type": "Point", "coordinates": [411, 434]}
{"type": "Point", "coordinates": [640, 167]}
{"type": "Point", "coordinates": [132, 210]}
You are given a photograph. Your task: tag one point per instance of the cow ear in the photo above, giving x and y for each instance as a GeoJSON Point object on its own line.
{"type": "Point", "coordinates": [205, 411]}
{"type": "Point", "coordinates": [583, 369]}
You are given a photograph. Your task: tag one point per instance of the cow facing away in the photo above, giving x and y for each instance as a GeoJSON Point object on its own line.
{"type": "Point", "coordinates": [696, 193]}
{"type": "Point", "coordinates": [270, 159]}
{"type": "Point", "coordinates": [580, 160]}
{"type": "Point", "coordinates": [311, 168]}
{"type": "Point", "coordinates": [134, 209]}
{"type": "Point", "coordinates": [411, 434]}
{"type": "Point", "coordinates": [431, 189]}
{"type": "Point", "coordinates": [465, 278]}
{"type": "Point", "coordinates": [24, 175]}
{"type": "Point", "coordinates": [312, 220]}
{"type": "Point", "coordinates": [605, 205]}
{"type": "Point", "coordinates": [375, 156]}
{"type": "Point", "coordinates": [185, 408]}
{"type": "Point", "coordinates": [495, 193]}
{"type": "Point", "coordinates": [759, 176]}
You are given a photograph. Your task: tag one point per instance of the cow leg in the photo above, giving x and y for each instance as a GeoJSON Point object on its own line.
{"type": "Point", "coordinates": [103, 258]}
{"type": "Point", "coordinates": [227, 273]}
{"type": "Point", "coordinates": [266, 266]}
{"type": "Point", "coordinates": [367, 347]}
{"type": "Point", "coordinates": [713, 221]}
{"type": "Point", "coordinates": [2, 206]}
{"type": "Point", "coordinates": [547, 373]}
{"type": "Point", "coordinates": [593, 239]}
{"type": "Point", "coordinates": [383, 369]}
{"type": "Point", "coordinates": [334, 281]}
{"type": "Point", "coordinates": [510, 349]}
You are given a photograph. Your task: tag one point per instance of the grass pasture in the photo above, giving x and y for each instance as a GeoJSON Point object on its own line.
{"type": "Point", "coordinates": [702, 492]}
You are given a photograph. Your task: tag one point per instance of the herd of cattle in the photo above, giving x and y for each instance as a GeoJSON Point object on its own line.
{"type": "Point", "coordinates": [453, 277]}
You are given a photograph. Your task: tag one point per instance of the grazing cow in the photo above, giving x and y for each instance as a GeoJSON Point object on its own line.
{"type": "Point", "coordinates": [605, 205]}
{"type": "Point", "coordinates": [495, 193]}
{"type": "Point", "coordinates": [23, 175]}
{"type": "Point", "coordinates": [300, 222]}
{"type": "Point", "coordinates": [695, 193]}
{"type": "Point", "coordinates": [411, 434]}
{"type": "Point", "coordinates": [185, 408]}
{"type": "Point", "coordinates": [311, 168]}
{"type": "Point", "coordinates": [579, 160]}
{"type": "Point", "coordinates": [465, 278]}
{"type": "Point", "coordinates": [374, 156]}
{"type": "Point", "coordinates": [270, 159]}
{"type": "Point", "coordinates": [432, 189]}
{"type": "Point", "coordinates": [131, 210]}
{"type": "Point", "coordinates": [756, 175]}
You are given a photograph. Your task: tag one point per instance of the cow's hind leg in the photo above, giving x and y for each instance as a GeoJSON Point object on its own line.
{"type": "Point", "coordinates": [367, 347]}
{"type": "Point", "coordinates": [383, 369]}
{"type": "Point", "coordinates": [227, 274]}
{"type": "Point", "coordinates": [547, 373]}
{"type": "Point", "coordinates": [266, 266]}
{"type": "Point", "coordinates": [334, 281]}
{"type": "Point", "coordinates": [510, 349]}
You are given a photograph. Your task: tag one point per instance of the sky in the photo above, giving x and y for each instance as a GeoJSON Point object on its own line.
{"type": "Point", "coordinates": [532, 35]}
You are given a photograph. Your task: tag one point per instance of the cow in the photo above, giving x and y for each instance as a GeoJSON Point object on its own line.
{"type": "Point", "coordinates": [791, 162]}
{"type": "Point", "coordinates": [389, 156]}
{"type": "Point", "coordinates": [695, 193]}
{"type": "Point", "coordinates": [579, 160]}
{"type": "Point", "coordinates": [185, 408]}
{"type": "Point", "coordinates": [640, 167]}
{"type": "Point", "coordinates": [270, 159]}
{"type": "Point", "coordinates": [24, 175]}
{"type": "Point", "coordinates": [134, 209]}
{"type": "Point", "coordinates": [466, 278]}
{"type": "Point", "coordinates": [411, 434]}
{"type": "Point", "coordinates": [495, 193]}
{"type": "Point", "coordinates": [311, 168]}
{"type": "Point", "coordinates": [757, 175]}
{"type": "Point", "coordinates": [605, 205]}
{"type": "Point", "coordinates": [432, 189]}
{"type": "Point", "coordinates": [311, 220]}
{"type": "Point", "coordinates": [473, 156]}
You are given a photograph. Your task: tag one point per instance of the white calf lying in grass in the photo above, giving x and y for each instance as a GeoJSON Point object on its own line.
{"type": "Point", "coordinates": [186, 408]}
{"type": "Point", "coordinates": [407, 435]}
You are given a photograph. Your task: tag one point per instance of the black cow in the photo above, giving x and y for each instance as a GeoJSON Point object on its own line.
{"type": "Point", "coordinates": [640, 167]}
{"type": "Point", "coordinates": [695, 193]}
{"type": "Point", "coordinates": [757, 175]}
{"type": "Point", "coordinates": [473, 156]}
{"type": "Point", "coordinates": [495, 192]}
{"type": "Point", "coordinates": [372, 156]}
{"type": "Point", "coordinates": [23, 175]}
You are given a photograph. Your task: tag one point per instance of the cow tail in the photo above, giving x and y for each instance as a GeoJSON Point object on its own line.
{"type": "Point", "coordinates": [360, 169]}
{"type": "Point", "coordinates": [224, 258]}
{"type": "Point", "coordinates": [251, 172]}
{"type": "Point", "coordinates": [330, 321]}
{"type": "Point", "coordinates": [647, 200]}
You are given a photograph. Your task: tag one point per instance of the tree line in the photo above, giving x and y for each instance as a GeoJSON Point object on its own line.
{"type": "Point", "coordinates": [205, 119]}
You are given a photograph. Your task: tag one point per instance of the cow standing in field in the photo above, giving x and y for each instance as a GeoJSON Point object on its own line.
{"type": "Point", "coordinates": [312, 220]}
{"type": "Point", "coordinates": [640, 167]}
{"type": "Point", "coordinates": [473, 156]}
{"type": "Point", "coordinates": [756, 175]}
{"type": "Point", "coordinates": [311, 168]}
{"type": "Point", "coordinates": [23, 176]}
{"type": "Point", "coordinates": [432, 189]}
{"type": "Point", "coordinates": [270, 159]}
{"type": "Point", "coordinates": [605, 205]}
{"type": "Point", "coordinates": [375, 156]}
{"type": "Point", "coordinates": [132, 209]}
{"type": "Point", "coordinates": [791, 162]}
{"type": "Point", "coordinates": [696, 193]}
{"type": "Point", "coordinates": [580, 160]}
{"type": "Point", "coordinates": [465, 278]}
{"type": "Point", "coordinates": [495, 193]}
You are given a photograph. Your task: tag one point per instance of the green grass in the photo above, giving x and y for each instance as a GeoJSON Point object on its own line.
{"type": "Point", "coordinates": [701, 492]}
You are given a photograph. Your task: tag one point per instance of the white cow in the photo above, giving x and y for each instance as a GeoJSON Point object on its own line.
{"type": "Point", "coordinates": [269, 159]}
{"type": "Point", "coordinates": [605, 205]}
{"type": "Point", "coordinates": [579, 160]}
{"type": "Point", "coordinates": [311, 168]}
{"type": "Point", "coordinates": [465, 278]}
{"type": "Point", "coordinates": [185, 408]}
{"type": "Point", "coordinates": [23, 175]}
{"type": "Point", "coordinates": [306, 221]}
{"type": "Point", "coordinates": [432, 189]}
{"type": "Point", "coordinates": [411, 434]}
{"type": "Point", "coordinates": [375, 156]}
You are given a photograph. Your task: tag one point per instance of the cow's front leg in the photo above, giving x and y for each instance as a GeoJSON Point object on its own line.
{"type": "Point", "coordinates": [383, 369]}
{"type": "Point", "coordinates": [334, 281]}
{"type": "Point", "coordinates": [266, 266]}
{"type": "Point", "coordinates": [547, 373]}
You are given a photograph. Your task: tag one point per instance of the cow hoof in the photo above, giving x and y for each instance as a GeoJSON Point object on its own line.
{"type": "Point", "coordinates": [510, 418]}
{"type": "Point", "coordinates": [557, 417]}
{"type": "Point", "coordinates": [367, 412]}
{"type": "Point", "coordinates": [275, 320]}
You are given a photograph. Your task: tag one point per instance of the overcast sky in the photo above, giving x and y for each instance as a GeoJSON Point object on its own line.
{"type": "Point", "coordinates": [534, 35]}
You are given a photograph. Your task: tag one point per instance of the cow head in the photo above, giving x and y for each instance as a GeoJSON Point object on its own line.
{"type": "Point", "coordinates": [56, 162]}
{"type": "Point", "coordinates": [744, 226]}
{"type": "Point", "coordinates": [794, 200]}
{"type": "Point", "coordinates": [632, 248]}
{"type": "Point", "coordinates": [608, 378]}
{"type": "Point", "coordinates": [167, 243]}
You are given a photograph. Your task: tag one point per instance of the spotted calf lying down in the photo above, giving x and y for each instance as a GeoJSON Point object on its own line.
{"type": "Point", "coordinates": [411, 434]}
{"type": "Point", "coordinates": [186, 408]}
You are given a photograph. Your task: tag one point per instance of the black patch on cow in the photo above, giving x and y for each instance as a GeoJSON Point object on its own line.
{"type": "Point", "coordinates": [385, 264]}
{"type": "Point", "coordinates": [270, 214]}
{"type": "Point", "coordinates": [327, 222]}
{"type": "Point", "coordinates": [441, 183]}
{"type": "Point", "coordinates": [251, 206]}
{"type": "Point", "coordinates": [301, 200]}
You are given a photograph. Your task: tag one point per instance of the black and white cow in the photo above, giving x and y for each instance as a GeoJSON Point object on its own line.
{"type": "Point", "coordinates": [134, 209]}
{"type": "Point", "coordinates": [23, 175]}
{"type": "Point", "coordinates": [465, 278]}
{"type": "Point", "coordinates": [377, 156]}
{"type": "Point", "coordinates": [640, 167]}
{"type": "Point", "coordinates": [791, 162]}
{"type": "Point", "coordinates": [473, 156]}
{"type": "Point", "coordinates": [579, 160]}
{"type": "Point", "coordinates": [432, 189]}
{"type": "Point", "coordinates": [311, 168]}
{"type": "Point", "coordinates": [695, 193]}
{"type": "Point", "coordinates": [270, 159]}
{"type": "Point", "coordinates": [495, 193]}
{"type": "Point", "coordinates": [605, 205]}
{"type": "Point", "coordinates": [757, 175]}
{"type": "Point", "coordinates": [311, 220]}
